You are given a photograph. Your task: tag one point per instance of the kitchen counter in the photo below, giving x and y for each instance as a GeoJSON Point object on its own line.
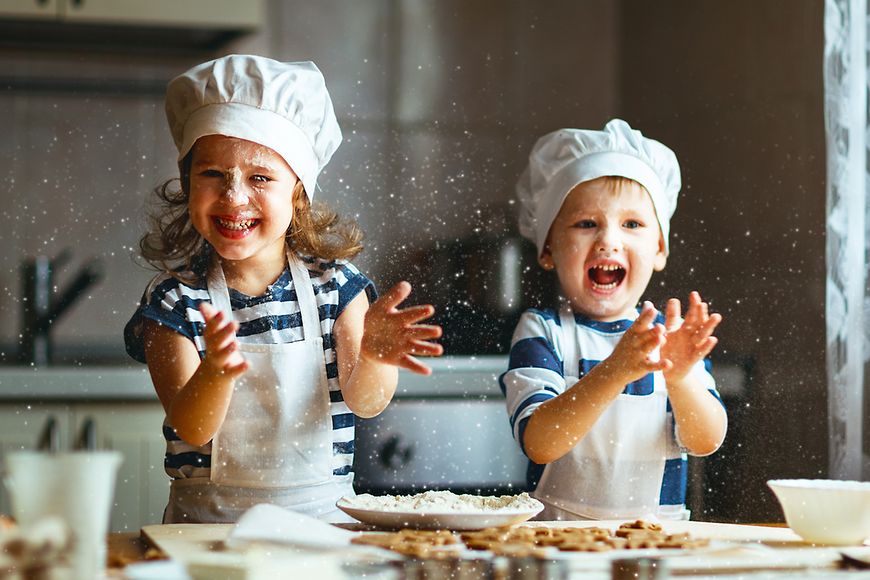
{"type": "Point", "coordinates": [743, 551]}
{"type": "Point", "coordinates": [71, 383]}
{"type": "Point", "coordinates": [452, 377]}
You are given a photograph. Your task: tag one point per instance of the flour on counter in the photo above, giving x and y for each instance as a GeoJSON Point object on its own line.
{"type": "Point", "coordinates": [443, 502]}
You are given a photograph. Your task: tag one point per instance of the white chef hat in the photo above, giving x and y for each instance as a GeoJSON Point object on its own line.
{"type": "Point", "coordinates": [282, 105]}
{"type": "Point", "coordinates": [563, 159]}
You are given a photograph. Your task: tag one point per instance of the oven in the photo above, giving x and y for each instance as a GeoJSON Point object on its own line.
{"type": "Point", "coordinates": [447, 431]}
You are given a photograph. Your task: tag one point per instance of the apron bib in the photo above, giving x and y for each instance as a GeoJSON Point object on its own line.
{"type": "Point", "coordinates": [616, 470]}
{"type": "Point", "coordinates": [275, 444]}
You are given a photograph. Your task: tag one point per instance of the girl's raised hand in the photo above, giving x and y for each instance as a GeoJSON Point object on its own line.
{"type": "Point", "coordinates": [393, 336]}
{"type": "Point", "coordinates": [632, 358]}
{"type": "Point", "coordinates": [689, 340]}
{"type": "Point", "coordinates": [222, 354]}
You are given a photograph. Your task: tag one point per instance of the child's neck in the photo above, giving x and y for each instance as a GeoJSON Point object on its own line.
{"type": "Point", "coordinates": [252, 276]}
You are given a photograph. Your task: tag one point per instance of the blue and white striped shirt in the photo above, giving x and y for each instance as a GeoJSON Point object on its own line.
{"type": "Point", "coordinates": [272, 318]}
{"type": "Point", "coordinates": [536, 374]}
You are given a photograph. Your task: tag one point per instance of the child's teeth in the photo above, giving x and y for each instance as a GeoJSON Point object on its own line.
{"type": "Point", "coordinates": [605, 286]}
{"type": "Point", "coordinates": [240, 225]}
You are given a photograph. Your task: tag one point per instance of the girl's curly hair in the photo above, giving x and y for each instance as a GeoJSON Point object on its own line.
{"type": "Point", "coordinates": [174, 246]}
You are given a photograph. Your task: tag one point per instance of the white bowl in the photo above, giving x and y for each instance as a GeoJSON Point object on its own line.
{"type": "Point", "coordinates": [825, 511]}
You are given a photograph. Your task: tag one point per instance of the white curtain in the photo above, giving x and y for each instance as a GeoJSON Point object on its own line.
{"type": "Point", "coordinates": [848, 297]}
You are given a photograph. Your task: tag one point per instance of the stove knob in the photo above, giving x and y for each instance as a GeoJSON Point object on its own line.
{"type": "Point", "coordinates": [394, 455]}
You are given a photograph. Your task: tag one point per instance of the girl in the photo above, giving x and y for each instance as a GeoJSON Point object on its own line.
{"type": "Point", "coordinates": [262, 344]}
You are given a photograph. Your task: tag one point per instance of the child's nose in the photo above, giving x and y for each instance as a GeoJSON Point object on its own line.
{"type": "Point", "coordinates": [236, 196]}
{"type": "Point", "coordinates": [608, 240]}
{"type": "Point", "coordinates": [234, 190]}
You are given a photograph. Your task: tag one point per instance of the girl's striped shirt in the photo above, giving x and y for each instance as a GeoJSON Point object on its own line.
{"type": "Point", "coordinates": [272, 318]}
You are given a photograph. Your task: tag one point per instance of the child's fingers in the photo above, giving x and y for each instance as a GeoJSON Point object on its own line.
{"type": "Point", "coordinates": [222, 355]}
{"type": "Point", "coordinates": [235, 371]}
{"type": "Point", "coordinates": [424, 331]}
{"type": "Point", "coordinates": [706, 346]}
{"type": "Point", "coordinates": [709, 326]}
{"type": "Point", "coordinates": [644, 319]}
{"type": "Point", "coordinates": [207, 310]}
{"type": "Point", "coordinates": [412, 364]}
{"type": "Point", "coordinates": [395, 295]}
{"type": "Point", "coordinates": [424, 348]}
{"type": "Point", "coordinates": [219, 339]}
{"type": "Point", "coordinates": [414, 314]}
{"type": "Point", "coordinates": [652, 366]}
{"type": "Point", "coordinates": [673, 314]}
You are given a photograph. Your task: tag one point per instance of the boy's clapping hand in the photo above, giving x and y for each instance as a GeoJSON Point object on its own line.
{"type": "Point", "coordinates": [689, 340]}
{"type": "Point", "coordinates": [393, 336]}
{"type": "Point", "coordinates": [632, 355]}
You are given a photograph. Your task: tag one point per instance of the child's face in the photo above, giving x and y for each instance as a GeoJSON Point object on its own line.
{"type": "Point", "coordinates": [605, 244]}
{"type": "Point", "coordinates": [241, 197]}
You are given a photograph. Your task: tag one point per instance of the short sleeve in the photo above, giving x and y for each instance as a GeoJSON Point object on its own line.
{"type": "Point", "coordinates": [168, 302]}
{"type": "Point", "coordinates": [535, 371]}
{"type": "Point", "coordinates": [350, 283]}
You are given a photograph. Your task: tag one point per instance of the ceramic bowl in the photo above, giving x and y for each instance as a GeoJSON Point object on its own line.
{"type": "Point", "coordinates": [825, 511]}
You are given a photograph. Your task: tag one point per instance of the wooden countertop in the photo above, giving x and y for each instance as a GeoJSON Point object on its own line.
{"type": "Point", "coordinates": [777, 550]}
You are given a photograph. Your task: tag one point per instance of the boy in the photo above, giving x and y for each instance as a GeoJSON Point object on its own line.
{"type": "Point", "coordinates": [606, 400]}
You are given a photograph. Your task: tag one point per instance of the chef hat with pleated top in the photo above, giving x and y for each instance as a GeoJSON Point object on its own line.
{"type": "Point", "coordinates": [282, 105]}
{"type": "Point", "coordinates": [563, 159]}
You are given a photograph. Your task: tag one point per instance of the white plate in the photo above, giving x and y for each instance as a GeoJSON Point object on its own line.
{"type": "Point", "coordinates": [431, 521]}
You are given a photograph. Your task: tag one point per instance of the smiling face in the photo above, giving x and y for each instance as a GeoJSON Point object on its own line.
{"type": "Point", "coordinates": [605, 244]}
{"type": "Point", "coordinates": [241, 198]}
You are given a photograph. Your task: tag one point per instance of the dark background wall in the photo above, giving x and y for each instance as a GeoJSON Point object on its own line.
{"type": "Point", "coordinates": [736, 89]}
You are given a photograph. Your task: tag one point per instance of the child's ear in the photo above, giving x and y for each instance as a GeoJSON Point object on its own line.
{"type": "Point", "coordinates": [661, 257]}
{"type": "Point", "coordinates": [546, 259]}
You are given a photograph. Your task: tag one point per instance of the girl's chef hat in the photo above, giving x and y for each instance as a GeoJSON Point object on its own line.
{"type": "Point", "coordinates": [563, 159]}
{"type": "Point", "coordinates": [282, 105]}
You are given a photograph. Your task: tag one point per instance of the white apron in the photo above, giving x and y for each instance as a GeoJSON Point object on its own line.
{"type": "Point", "coordinates": [616, 470]}
{"type": "Point", "coordinates": [275, 444]}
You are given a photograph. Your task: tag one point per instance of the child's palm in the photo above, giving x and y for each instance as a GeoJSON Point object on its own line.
{"type": "Point", "coordinates": [631, 357]}
{"type": "Point", "coordinates": [393, 336]}
{"type": "Point", "coordinates": [689, 340]}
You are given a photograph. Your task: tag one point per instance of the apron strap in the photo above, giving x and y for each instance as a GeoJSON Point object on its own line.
{"type": "Point", "coordinates": [570, 358]}
{"type": "Point", "coordinates": [220, 295]}
{"type": "Point", "coordinates": [217, 287]}
{"type": "Point", "coordinates": [304, 297]}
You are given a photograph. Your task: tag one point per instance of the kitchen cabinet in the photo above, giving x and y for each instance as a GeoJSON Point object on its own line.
{"type": "Point", "coordinates": [189, 14]}
{"type": "Point", "coordinates": [133, 428]}
{"type": "Point", "coordinates": [30, 9]}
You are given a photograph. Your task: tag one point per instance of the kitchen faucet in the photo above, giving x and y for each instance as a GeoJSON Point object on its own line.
{"type": "Point", "coordinates": [40, 308]}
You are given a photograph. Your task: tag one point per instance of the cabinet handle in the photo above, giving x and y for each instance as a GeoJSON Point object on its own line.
{"type": "Point", "coordinates": [49, 438]}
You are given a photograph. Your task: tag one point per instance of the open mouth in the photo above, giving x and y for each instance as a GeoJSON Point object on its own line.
{"type": "Point", "coordinates": [235, 228]}
{"type": "Point", "coordinates": [606, 276]}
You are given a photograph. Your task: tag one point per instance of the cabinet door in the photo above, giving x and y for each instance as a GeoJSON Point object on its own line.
{"type": "Point", "coordinates": [134, 429]}
{"type": "Point", "coordinates": [21, 426]}
{"type": "Point", "coordinates": [29, 9]}
{"type": "Point", "coordinates": [186, 13]}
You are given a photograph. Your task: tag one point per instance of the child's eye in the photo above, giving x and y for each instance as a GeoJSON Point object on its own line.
{"type": "Point", "coordinates": [585, 224]}
{"type": "Point", "coordinates": [262, 178]}
{"type": "Point", "coordinates": [632, 224]}
{"type": "Point", "coordinates": [211, 173]}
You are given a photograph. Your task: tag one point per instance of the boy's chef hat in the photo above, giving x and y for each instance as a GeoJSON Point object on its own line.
{"type": "Point", "coordinates": [282, 105]}
{"type": "Point", "coordinates": [563, 159]}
